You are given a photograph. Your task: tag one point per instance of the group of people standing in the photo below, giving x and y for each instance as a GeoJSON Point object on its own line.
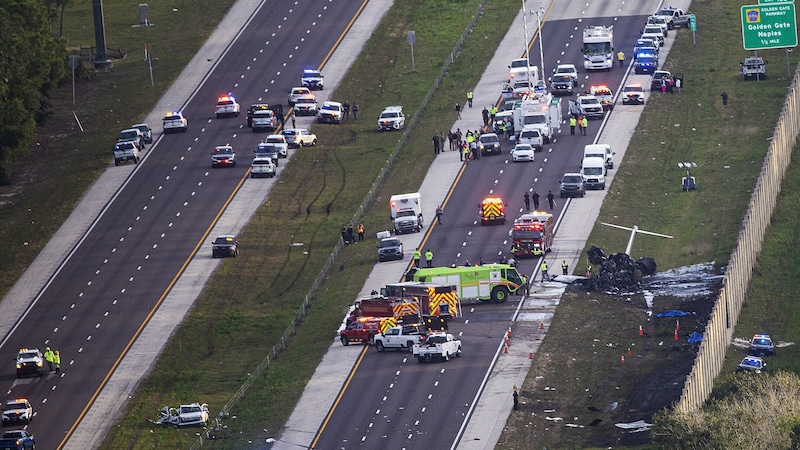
{"type": "Point", "coordinates": [346, 108]}
{"type": "Point", "coordinates": [580, 121]}
{"type": "Point", "coordinates": [417, 256]}
{"type": "Point", "coordinates": [53, 359]}
{"type": "Point", "coordinates": [551, 200]}
{"type": "Point", "coordinates": [348, 234]}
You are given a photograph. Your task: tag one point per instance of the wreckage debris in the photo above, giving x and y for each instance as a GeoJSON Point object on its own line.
{"type": "Point", "coordinates": [618, 271]}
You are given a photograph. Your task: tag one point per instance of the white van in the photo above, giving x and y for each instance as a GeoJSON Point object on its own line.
{"type": "Point", "coordinates": [594, 173]}
{"type": "Point", "coordinates": [600, 151]}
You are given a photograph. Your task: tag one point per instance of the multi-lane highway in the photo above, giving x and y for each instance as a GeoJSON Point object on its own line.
{"type": "Point", "coordinates": [95, 305]}
{"type": "Point", "coordinates": [391, 401]}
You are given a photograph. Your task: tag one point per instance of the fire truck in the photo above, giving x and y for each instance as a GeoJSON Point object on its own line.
{"type": "Point", "coordinates": [433, 299]}
{"type": "Point", "coordinates": [532, 235]}
{"type": "Point", "coordinates": [493, 282]}
{"type": "Point", "coordinates": [493, 210]}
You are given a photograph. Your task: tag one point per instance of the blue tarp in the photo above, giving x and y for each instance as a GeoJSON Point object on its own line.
{"type": "Point", "coordinates": [695, 338]}
{"type": "Point", "coordinates": [673, 313]}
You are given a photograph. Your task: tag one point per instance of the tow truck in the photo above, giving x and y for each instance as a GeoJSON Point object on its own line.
{"type": "Point", "coordinates": [227, 106]}
{"type": "Point", "coordinates": [492, 210]}
{"type": "Point", "coordinates": [437, 346]}
{"type": "Point", "coordinates": [532, 235]}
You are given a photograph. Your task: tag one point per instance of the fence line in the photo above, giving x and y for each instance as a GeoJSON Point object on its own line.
{"type": "Point", "coordinates": [725, 314]}
{"type": "Point", "coordinates": [290, 330]}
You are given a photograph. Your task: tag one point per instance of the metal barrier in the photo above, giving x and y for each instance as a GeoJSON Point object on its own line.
{"type": "Point", "coordinates": [725, 314]}
{"type": "Point", "coordinates": [290, 330]}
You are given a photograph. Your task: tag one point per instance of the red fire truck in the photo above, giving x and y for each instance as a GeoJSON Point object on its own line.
{"type": "Point", "coordinates": [532, 235]}
{"type": "Point", "coordinates": [433, 299]}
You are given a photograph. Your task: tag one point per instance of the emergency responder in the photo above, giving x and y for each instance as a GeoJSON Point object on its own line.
{"type": "Point", "coordinates": [49, 357]}
{"type": "Point", "coordinates": [535, 197]}
{"type": "Point", "coordinates": [572, 122]}
{"type": "Point", "coordinates": [416, 257]}
{"type": "Point", "coordinates": [485, 114]}
{"type": "Point", "coordinates": [551, 200]}
{"type": "Point", "coordinates": [492, 112]}
{"type": "Point", "coordinates": [621, 58]}
{"type": "Point", "coordinates": [537, 250]}
{"type": "Point", "coordinates": [465, 153]}
{"type": "Point", "coordinates": [589, 271]}
{"type": "Point", "coordinates": [344, 235]}
{"type": "Point", "coordinates": [564, 267]}
{"type": "Point", "coordinates": [543, 268]}
{"type": "Point", "coordinates": [527, 201]}
{"type": "Point", "coordinates": [470, 95]}
{"type": "Point", "coordinates": [584, 125]}
{"type": "Point", "coordinates": [361, 232]}
{"type": "Point", "coordinates": [439, 213]}
{"type": "Point", "coordinates": [429, 258]}
{"type": "Point", "coordinates": [57, 361]}
{"type": "Point", "coordinates": [350, 236]}
{"type": "Point", "coordinates": [514, 249]}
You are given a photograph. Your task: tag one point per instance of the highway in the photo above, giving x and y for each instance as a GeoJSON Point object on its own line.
{"type": "Point", "coordinates": [103, 294]}
{"type": "Point", "coordinates": [391, 401]}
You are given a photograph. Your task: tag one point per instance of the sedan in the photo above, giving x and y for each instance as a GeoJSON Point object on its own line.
{"type": "Point", "coordinates": [522, 152]}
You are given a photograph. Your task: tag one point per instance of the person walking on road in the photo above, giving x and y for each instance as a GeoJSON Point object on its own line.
{"type": "Point", "coordinates": [470, 95]}
{"type": "Point", "coordinates": [57, 361]}
{"type": "Point", "coordinates": [621, 58]}
{"type": "Point", "coordinates": [572, 123]}
{"type": "Point", "coordinates": [49, 357]}
{"type": "Point", "coordinates": [551, 200]}
{"type": "Point", "coordinates": [429, 258]}
{"type": "Point", "coordinates": [584, 125]}
{"type": "Point", "coordinates": [485, 114]}
{"type": "Point", "coordinates": [416, 257]}
{"type": "Point", "coordinates": [564, 267]}
{"type": "Point", "coordinates": [527, 201]}
{"type": "Point", "coordinates": [293, 116]}
{"type": "Point", "coordinates": [535, 201]}
{"type": "Point", "coordinates": [543, 268]}
{"type": "Point", "coordinates": [439, 214]}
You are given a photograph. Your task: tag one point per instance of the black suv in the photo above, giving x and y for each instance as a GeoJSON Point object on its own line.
{"type": "Point", "coordinates": [572, 185]}
{"type": "Point", "coordinates": [224, 246]}
{"type": "Point", "coordinates": [390, 249]}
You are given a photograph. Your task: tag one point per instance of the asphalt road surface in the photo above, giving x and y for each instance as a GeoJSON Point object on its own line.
{"type": "Point", "coordinates": [391, 401]}
{"type": "Point", "coordinates": [114, 279]}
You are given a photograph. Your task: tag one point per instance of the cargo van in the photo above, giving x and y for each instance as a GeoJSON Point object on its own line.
{"type": "Point", "coordinates": [600, 151]}
{"type": "Point", "coordinates": [594, 172]}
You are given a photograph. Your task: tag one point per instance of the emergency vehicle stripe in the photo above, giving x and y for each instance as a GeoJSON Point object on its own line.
{"type": "Point", "coordinates": [491, 210]}
{"type": "Point", "coordinates": [387, 324]}
{"type": "Point", "coordinates": [449, 298]}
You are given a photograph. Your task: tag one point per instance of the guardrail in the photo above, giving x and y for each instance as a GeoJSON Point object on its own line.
{"type": "Point", "coordinates": [736, 283]}
{"type": "Point", "coordinates": [301, 312]}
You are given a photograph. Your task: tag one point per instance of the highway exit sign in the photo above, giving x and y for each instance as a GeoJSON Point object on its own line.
{"type": "Point", "coordinates": [769, 25]}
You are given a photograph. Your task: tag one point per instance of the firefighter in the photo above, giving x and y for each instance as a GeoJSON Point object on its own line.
{"type": "Point", "coordinates": [49, 357]}
{"type": "Point", "coordinates": [429, 258]}
{"type": "Point", "coordinates": [57, 361]}
{"type": "Point", "coordinates": [543, 268]}
{"type": "Point", "coordinates": [564, 267]}
{"type": "Point", "coordinates": [537, 250]}
{"type": "Point", "coordinates": [416, 257]}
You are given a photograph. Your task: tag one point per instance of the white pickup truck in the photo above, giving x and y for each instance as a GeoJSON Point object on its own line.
{"type": "Point", "coordinates": [399, 337]}
{"type": "Point", "coordinates": [437, 346]}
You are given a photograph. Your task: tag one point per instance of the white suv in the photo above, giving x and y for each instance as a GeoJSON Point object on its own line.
{"type": "Point", "coordinates": [296, 92]}
{"type": "Point", "coordinates": [331, 112]}
{"type": "Point", "coordinates": [392, 118]}
{"type": "Point", "coordinates": [312, 79]}
{"type": "Point", "coordinates": [299, 137]}
{"type": "Point", "coordinates": [174, 121]}
{"type": "Point", "coordinates": [227, 106]}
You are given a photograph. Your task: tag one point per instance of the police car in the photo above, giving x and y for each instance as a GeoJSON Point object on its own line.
{"type": "Point", "coordinates": [633, 94]}
{"type": "Point", "coordinates": [174, 121]}
{"type": "Point", "coordinates": [29, 362]}
{"type": "Point", "coordinates": [227, 106]}
{"type": "Point", "coordinates": [392, 118]}
{"type": "Point", "coordinates": [761, 345]}
{"type": "Point", "coordinates": [223, 156]}
{"type": "Point", "coordinates": [262, 166]}
{"type": "Point", "coordinates": [17, 410]}
{"type": "Point", "coordinates": [296, 92]}
{"type": "Point", "coordinates": [305, 105]}
{"type": "Point", "coordinates": [751, 364]}
{"type": "Point", "coordinates": [280, 142]}
{"type": "Point", "coordinates": [312, 79]}
{"type": "Point", "coordinates": [225, 245]}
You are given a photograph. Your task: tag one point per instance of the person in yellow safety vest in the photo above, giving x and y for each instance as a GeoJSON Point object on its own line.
{"type": "Point", "coordinates": [49, 357]}
{"type": "Point", "coordinates": [470, 95]}
{"type": "Point", "coordinates": [465, 153]}
{"type": "Point", "coordinates": [537, 250]}
{"type": "Point", "coordinates": [621, 58]}
{"type": "Point", "coordinates": [572, 123]}
{"type": "Point", "coordinates": [543, 268]}
{"type": "Point", "coordinates": [514, 249]}
{"type": "Point", "coordinates": [429, 258]}
{"type": "Point", "coordinates": [564, 267]}
{"type": "Point", "coordinates": [588, 271]}
{"type": "Point", "coordinates": [584, 125]}
{"type": "Point", "coordinates": [361, 232]}
{"type": "Point", "coordinates": [57, 361]}
{"type": "Point", "coordinates": [493, 112]}
{"type": "Point", "coordinates": [416, 257]}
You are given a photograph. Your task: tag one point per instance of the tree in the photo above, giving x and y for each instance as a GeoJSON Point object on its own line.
{"type": "Point", "coordinates": [32, 65]}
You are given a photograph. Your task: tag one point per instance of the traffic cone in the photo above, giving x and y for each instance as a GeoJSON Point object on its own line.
{"type": "Point", "coordinates": [509, 332]}
{"type": "Point", "coordinates": [622, 359]}
{"type": "Point", "coordinates": [675, 337]}
{"type": "Point", "coordinates": [541, 325]}
{"type": "Point", "coordinates": [629, 351]}
{"type": "Point", "coordinates": [507, 342]}
{"type": "Point", "coordinates": [677, 325]}
{"type": "Point", "coordinates": [641, 331]}
{"type": "Point", "coordinates": [530, 354]}
{"type": "Point", "coordinates": [505, 350]}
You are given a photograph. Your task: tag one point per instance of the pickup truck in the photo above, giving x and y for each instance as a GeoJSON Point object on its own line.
{"type": "Point", "coordinates": [17, 440]}
{"type": "Point", "coordinates": [437, 346]}
{"type": "Point", "coordinates": [675, 17]}
{"type": "Point", "coordinates": [360, 331]}
{"type": "Point", "coordinates": [403, 337]}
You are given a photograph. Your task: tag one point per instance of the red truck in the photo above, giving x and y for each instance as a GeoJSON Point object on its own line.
{"type": "Point", "coordinates": [532, 235]}
{"type": "Point", "coordinates": [361, 330]}
{"type": "Point", "coordinates": [434, 299]}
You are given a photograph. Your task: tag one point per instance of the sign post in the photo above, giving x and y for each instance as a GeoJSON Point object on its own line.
{"type": "Point", "coordinates": [693, 27]}
{"type": "Point", "coordinates": [771, 25]}
{"type": "Point", "coordinates": [412, 38]}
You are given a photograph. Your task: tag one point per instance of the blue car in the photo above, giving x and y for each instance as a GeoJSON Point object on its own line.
{"type": "Point", "coordinates": [645, 63]}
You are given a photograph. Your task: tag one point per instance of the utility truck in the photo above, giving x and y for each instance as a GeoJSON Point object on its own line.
{"type": "Point", "coordinates": [400, 337]}
{"type": "Point", "coordinates": [406, 210]}
{"type": "Point", "coordinates": [541, 112]}
{"type": "Point", "coordinates": [598, 47]}
{"type": "Point", "coordinates": [437, 346]}
{"type": "Point", "coordinates": [493, 282]}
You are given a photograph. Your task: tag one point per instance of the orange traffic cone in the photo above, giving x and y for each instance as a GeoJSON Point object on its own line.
{"type": "Point", "coordinates": [622, 359]}
{"type": "Point", "coordinates": [641, 331]}
{"type": "Point", "coordinates": [506, 348]}
{"type": "Point", "coordinates": [629, 351]}
{"type": "Point", "coordinates": [530, 354]}
{"type": "Point", "coordinates": [675, 337]}
{"type": "Point", "coordinates": [541, 325]}
{"type": "Point", "coordinates": [677, 325]}
{"type": "Point", "coordinates": [509, 332]}
{"type": "Point", "coordinates": [507, 342]}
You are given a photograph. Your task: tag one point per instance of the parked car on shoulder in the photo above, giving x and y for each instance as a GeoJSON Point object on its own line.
{"type": "Point", "coordinates": [147, 133]}
{"type": "Point", "coordinates": [299, 137]}
{"type": "Point", "coordinates": [224, 246]}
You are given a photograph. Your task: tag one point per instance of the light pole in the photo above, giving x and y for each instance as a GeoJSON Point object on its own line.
{"type": "Point", "coordinates": [527, 42]}
{"type": "Point", "coordinates": [541, 47]}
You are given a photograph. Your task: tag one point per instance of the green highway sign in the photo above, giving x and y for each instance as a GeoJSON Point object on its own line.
{"type": "Point", "coordinates": [692, 22]}
{"type": "Point", "coordinates": [771, 25]}
{"type": "Point", "coordinates": [761, 2]}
